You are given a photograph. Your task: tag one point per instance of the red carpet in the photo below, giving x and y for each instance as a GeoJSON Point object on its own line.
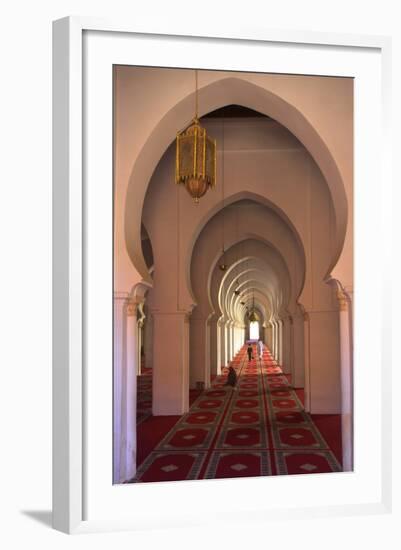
{"type": "Point", "coordinates": [150, 432]}
{"type": "Point", "coordinates": [258, 428]}
{"type": "Point", "coordinates": [151, 429]}
{"type": "Point", "coordinates": [329, 425]}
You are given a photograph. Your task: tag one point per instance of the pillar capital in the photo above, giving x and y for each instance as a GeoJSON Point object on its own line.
{"type": "Point", "coordinates": [134, 308]}
{"type": "Point", "coordinates": [342, 300]}
{"type": "Point", "coordinates": [131, 308]}
{"type": "Point", "coordinates": [138, 292]}
{"type": "Point", "coordinates": [344, 294]}
{"type": "Point", "coordinates": [288, 319]}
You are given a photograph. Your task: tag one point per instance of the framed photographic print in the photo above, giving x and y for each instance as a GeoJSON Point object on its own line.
{"type": "Point", "coordinates": [218, 313]}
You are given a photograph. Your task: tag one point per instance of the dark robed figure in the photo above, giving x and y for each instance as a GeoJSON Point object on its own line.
{"type": "Point", "coordinates": [231, 377]}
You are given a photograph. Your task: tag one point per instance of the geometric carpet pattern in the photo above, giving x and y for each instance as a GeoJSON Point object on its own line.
{"type": "Point", "coordinates": [259, 428]}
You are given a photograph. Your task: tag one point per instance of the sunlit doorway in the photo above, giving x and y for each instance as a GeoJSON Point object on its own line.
{"type": "Point", "coordinates": [254, 330]}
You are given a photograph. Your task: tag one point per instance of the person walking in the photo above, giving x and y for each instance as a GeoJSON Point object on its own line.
{"type": "Point", "coordinates": [249, 350]}
{"type": "Point", "coordinates": [260, 348]}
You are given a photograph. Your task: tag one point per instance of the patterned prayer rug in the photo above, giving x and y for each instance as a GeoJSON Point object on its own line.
{"type": "Point", "coordinates": [258, 428]}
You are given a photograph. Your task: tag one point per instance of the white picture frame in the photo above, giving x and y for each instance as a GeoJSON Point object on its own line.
{"type": "Point", "coordinates": [73, 490]}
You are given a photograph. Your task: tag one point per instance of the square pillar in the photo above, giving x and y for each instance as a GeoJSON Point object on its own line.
{"type": "Point", "coordinates": [214, 339]}
{"type": "Point", "coordinates": [286, 345]}
{"type": "Point", "coordinates": [324, 363]}
{"type": "Point", "coordinates": [298, 368]}
{"type": "Point", "coordinates": [170, 363]}
{"type": "Point", "coordinates": [345, 316]}
{"type": "Point", "coordinates": [199, 370]}
{"type": "Point", "coordinates": [125, 387]}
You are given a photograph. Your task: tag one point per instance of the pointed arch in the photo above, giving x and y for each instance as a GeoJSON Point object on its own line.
{"type": "Point", "coordinates": [225, 91]}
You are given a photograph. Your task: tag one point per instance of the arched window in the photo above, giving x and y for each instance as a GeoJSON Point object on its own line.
{"type": "Point", "coordinates": [254, 330]}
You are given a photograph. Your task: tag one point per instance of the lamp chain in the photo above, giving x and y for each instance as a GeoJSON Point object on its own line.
{"type": "Point", "coordinates": [222, 182]}
{"type": "Point", "coordinates": [196, 94]}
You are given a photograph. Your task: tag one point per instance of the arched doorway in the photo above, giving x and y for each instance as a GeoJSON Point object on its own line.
{"type": "Point", "coordinates": [254, 333]}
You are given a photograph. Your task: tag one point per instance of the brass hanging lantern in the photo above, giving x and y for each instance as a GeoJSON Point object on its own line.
{"type": "Point", "coordinates": [252, 317]}
{"type": "Point", "coordinates": [195, 156]}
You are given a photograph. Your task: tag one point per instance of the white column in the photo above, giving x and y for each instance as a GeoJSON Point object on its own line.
{"type": "Point", "coordinates": [274, 339]}
{"type": "Point", "coordinates": [286, 344]}
{"type": "Point", "coordinates": [238, 339]}
{"type": "Point", "coordinates": [129, 457]}
{"type": "Point", "coordinates": [263, 332]}
{"type": "Point", "coordinates": [307, 362]}
{"type": "Point", "coordinates": [232, 339]}
{"type": "Point", "coordinates": [269, 336]}
{"type": "Point", "coordinates": [214, 338]}
{"type": "Point", "coordinates": [170, 363]}
{"type": "Point", "coordinates": [139, 325]}
{"type": "Point", "coordinates": [298, 370]}
{"type": "Point", "coordinates": [118, 381]}
{"type": "Point", "coordinates": [276, 336]}
{"type": "Point", "coordinates": [346, 381]}
{"type": "Point", "coordinates": [228, 340]}
{"type": "Point", "coordinates": [199, 366]}
{"type": "Point", "coordinates": [280, 342]}
{"type": "Point", "coordinates": [223, 343]}
{"type": "Point", "coordinates": [125, 387]}
{"type": "Point", "coordinates": [324, 366]}
{"type": "Point", "coordinates": [148, 344]}
{"type": "Point", "coordinates": [230, 330]}
{"type": "Point", "coordinates": [218, 349]}
{"type": "Point", "coordinates": [139, 358]}
{"type": "Point", "coordinates": [322, 362]}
